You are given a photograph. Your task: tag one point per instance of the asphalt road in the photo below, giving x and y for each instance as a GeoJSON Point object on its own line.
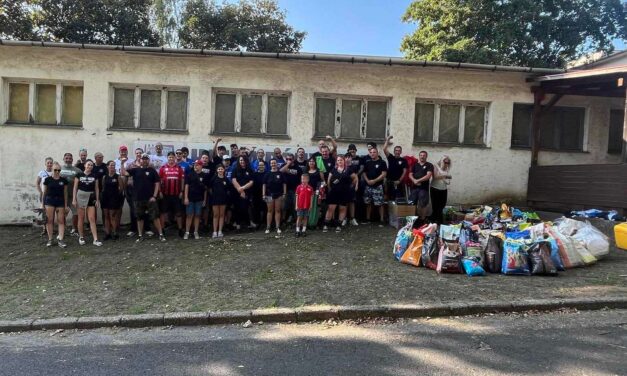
{"type": "Point", "coordinates": [568, 343]}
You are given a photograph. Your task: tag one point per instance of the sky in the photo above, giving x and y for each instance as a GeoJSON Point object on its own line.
{"type": "Point", "coordinates": [354, 27]}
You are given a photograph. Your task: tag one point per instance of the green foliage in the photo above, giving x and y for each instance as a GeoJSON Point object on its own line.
{"type": "Point", "coordinates": [166, 17]}
{"type": "Point", "coordinates": [539, 33]}
{"type": "Point", "coordinates": [15, 20]}
{"type": "Point", "coordinates": [250, 25]}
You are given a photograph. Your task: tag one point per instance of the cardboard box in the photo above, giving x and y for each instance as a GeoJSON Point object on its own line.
{"type": "Point", "coordinates": [397, 214]}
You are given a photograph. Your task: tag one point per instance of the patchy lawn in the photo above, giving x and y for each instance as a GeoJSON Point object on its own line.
{"type": "Point", "coordinates": [252, 270]}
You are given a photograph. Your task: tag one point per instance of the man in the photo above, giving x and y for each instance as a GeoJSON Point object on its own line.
{"type": "Point", "coordinates": [291, 175]}
{"type": "Point", "coordinates": [172, 179]}
{"type": "Point", "coordinates": [420, 177]}
{"type": "Point", "coordinates": [261, 156]}
{"type": "Point", "coordinates": [158, 159]}
{"type": "Point", "coordinates": [301, 161]}
{"type": "Point", "coordinates": [129, 186]}
{"type": "Point", "coordinates": [375, 171]}
{"type": "Point", "coordinates": [218, 151]}
{"type": "Point", "coordinates": [145, 193]}
{"type": "Point", "coordinates": [322, 144]}
{"type": "Point", "coordinates": [397, 169]}
{"type": "Point", "coordinates": [69, 172]}
{"type": "Point", "coordinates": [80, 164]}
{"type": "Point", "coordinates": [100, 169]}
{"type": "Point", "coordinates": [327, 159]}
{"type": "Point", "coordinates": [123, 153]}
{"type": "Point", "coordinates": [355, 168]}
{"type": "Point", "coordinates": [234, 154]}
{"type": "Point", "coordinates": [278, 155]}
{"type": "Point", "coordinates": [185, 152]}
{"type": "Point", "coordinates": [181, 160]}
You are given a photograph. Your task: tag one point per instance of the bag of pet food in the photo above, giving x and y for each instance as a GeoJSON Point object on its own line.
{"type": "Point", "coordinates": [450, 232]}
{"type": "Point", "coordinates": [515, 259]}
{"type": "Point", "coordinates": [449, 259]}
{"type": "Point", "coordinates": [555, 254]}
{"type": "Point", "coordinates": [474, 250]}
{"type": "Point", "coordinates": [404, 237]}
{"type": "Point", "coordinates": [472, 266]}
{"type": "Point", "coordinates": [430, 251]}
{"type": "Point", "coordinates": [412, 254]}
{"type": "Point", "coordinates": [540, 259]}
{"type": "Point", "coordinates": [567, 249]}
{"type": "Point", "coordinates": [493, 254]}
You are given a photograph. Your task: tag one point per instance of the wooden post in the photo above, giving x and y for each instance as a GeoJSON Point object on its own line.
{"type": "Point", "coordinates": [625, 132]}
{"type": "Point", "coordinates": [538, 95]}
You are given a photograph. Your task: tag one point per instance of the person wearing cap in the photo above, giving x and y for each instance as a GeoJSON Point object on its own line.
{"type": "Point", "coordinates": [158, 159]}
{"type": "Point", "coordinates": [123, 153]}
{"type": "Point", "coordinates": [145, 193]}
{"type": "Point", "coordinates": [397, 169]}
{"type": "Point", "coordinates": [82, 159]}
{"type": "Point", "coordinates": [195, 197]}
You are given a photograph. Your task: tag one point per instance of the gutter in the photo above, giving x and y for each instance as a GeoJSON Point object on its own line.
{"type": "Point", "coordinates": [353, 59]}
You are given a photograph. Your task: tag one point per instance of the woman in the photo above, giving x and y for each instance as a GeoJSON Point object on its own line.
{"type": "Point", "coordinates": [112, 201]}
{"type": "Point", "coordinates": [242, 180]}
{"type": "Point", "coordinates": [219, 188]}
{"type": "Point", "coordinates": [195, 198]}
{"type": "Point", "coordinates": [55, 203]}
{"type": "Point", "coordinates": [259, 207]}
{"type": "Point", "coordinates": [341, 181]}
{"type": "Point", "coordinates": [274, 189]}
{"type": "Point", "coordinates": [39, 184]}
{"type": "Point", "coordinates": [316, 178]}
{"type": "Point", "coordinates": [86, 199]}
{"type": "Point", "coordinates": [439, 184]}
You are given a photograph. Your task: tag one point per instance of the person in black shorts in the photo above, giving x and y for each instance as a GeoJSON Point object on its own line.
{"type": "Point", "coordinates": [219, 189]}
{"type": "Point", "coordinates": [112, 199]}
{"type": "Point", "coordinates": [420, 177]}
{"type": "Point", "coordinates": [86, 199]}
{"type": "Point", "coordinates": [145, 192]}
{"type": "Point", "coordinates": [274, 189]}
{"type": "Point", "coordinates": [316, 178]}
{"type": "Point", "coordinates": [55, 203]}
{"type": "Point", "coordinates": [340, 182]}
{"type": "Point", "coordinates": [259, 207]}
{"type": "Point", "coordinates": [242, 180]}
{"type": "Point", "coordinates": [195, 197]}
{"type": "Point", "coordinates": [291, 173]}
{"type": "Point", "coordinates": [397, 170]}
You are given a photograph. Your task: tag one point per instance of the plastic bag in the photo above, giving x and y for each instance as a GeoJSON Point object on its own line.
{"type": "Point", "coordinates": [430, 251]}
{"type": "Point", "coordinates": [472, 266]}
{"type": "Point", "coordinates": [540, 259]}
{"type": "Point", "coordinates": [450, 232]}
{"type": "Point", "coordinates": [555, 254]}
{"type": "Point", "coordinates": [585, 255]}
{"type": "Point", "coordinates": [518, 235]}
{"type": "Point", "coordinates": [449, 259]}
{"type": "Point", "coordinates": [536, 231]}
{"type": "Point", "coordinates": [571, 258]}
{"type": "Point", "coordinates": [568, 226]}
{"type": "Point", "coordinates": [404, 237]}
{"type": "Point", "coordinates": [493, 254]}
{"type": "Point", "coordinates": [412, 254]}
{"type": "Point", "coordinates": [515, 258]}
{"type": "Point", "coordinates": [594, 240]}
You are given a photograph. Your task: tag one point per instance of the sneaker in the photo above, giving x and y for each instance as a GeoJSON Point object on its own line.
{"type": "Point", "coordinates": [325, 229]}
{"type": "Point", "coordinates": [267, 230]}
{"type": "Point", "coordinates": [252, 225]}
{"type": "Point", "coordinates": [381, 224]}
{"type": "Point", "coordinates": [196, 236]}
{"type": "Point", "coordinates": [73, 233]}
{"type": "Point", "coordinates": [61, 243]}
{"type": "Point", "coordinates": [161, 237]}
{"type": "Point", "coordinates": [130, 234]}
{"type": "Point", "coordinates": [139, 239]}
{"type": "Point", "coordinates": [49, 243]}
{"type": "Point", "coordinates": [354, 222]}
{"type": "Point", "coordinates": [344, 222]}
{"type": "Point", "coordinates": [278, 231]}
{"type": "Point", "coordinates": [237, 227]}
{"type": "Point", "coordinates": [97, 243]}
{"type": "Point", "coordinates": [214, 235]}
{"type": "Point", "coordinates": [186, 236]}
{"type": "Point", "coordinates": [338, 229]}
{"type": "Point", "coordinates": [150, 233]}
{"type": "Point", "coordinates": [220, 234]}
{"type": "Point", "coordinates": [81, 241]}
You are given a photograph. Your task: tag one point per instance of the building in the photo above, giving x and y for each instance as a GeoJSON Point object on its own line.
{"type": "Point", "coordinates": [58, 97]}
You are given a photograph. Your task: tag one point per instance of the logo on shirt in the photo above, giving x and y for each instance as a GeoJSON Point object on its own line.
{"type": "Point", "coordinates": [200, 179]}
{"type": "Point", "coordinates": [61, 183]}
{"type": "Point", "coordinates": [376, 166]}
{"type": "Point", "coordinates": [147, 173]}
{"type": "Point", "coordinates": [400, 163]}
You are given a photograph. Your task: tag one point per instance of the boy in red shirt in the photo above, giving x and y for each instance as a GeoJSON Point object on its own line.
{"type": "Point", "coordinates": [304, 192]}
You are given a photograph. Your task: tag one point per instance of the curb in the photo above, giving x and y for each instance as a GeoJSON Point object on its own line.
{"type": "Point", "coordinates": [307, 314]}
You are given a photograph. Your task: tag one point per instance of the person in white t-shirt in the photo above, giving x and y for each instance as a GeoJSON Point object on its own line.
{"type": "Point", "coordinates": [158, 159]}
{"type": "Point", "coordinates": [41, 176]}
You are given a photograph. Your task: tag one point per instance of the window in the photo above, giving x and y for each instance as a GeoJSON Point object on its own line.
{"type": "Point", "coordinates": [250, 113]}
{"type": "Point", "coordinates": [149, 108]}
{"type": "Point", "coordinates": [351, 118]}
{"type": "Point", "coordinates": [561, 128]}
{"type": "Point", "coordinates": [450, 122]}
{"type": "Point", "coordinates": [45, 103]}
{"type": "Point", "coordinates": [615, 140]}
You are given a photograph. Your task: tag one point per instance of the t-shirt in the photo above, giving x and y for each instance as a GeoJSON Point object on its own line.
{"type": "Point", "coordinates": [186, 166]}
{"type": "Point", "coordinates": [158, 160]}
{"type": "Point", "coordinates": [56, 187]}
{"type": "Point", "coordinates": [303, 196]}
{"type": "Point", "coordinates": [171, 178]}
{"type": "Point", "coordinates": [219, 186]}
{"type": "Point", "coordinates": [303, 165]}
{"type": "Point", "coordinates": [87, 183]}
{"type": "Point", "coordinates": [110, 184]}
{"type": "Point", "coordinates": [418, 171]}
{"type": "Point", "coordinates": [100, 171]}
{"type": "Point", "coordinates": [341, 180]}
{"type": "Point", "coordinates": [197, 184]}
{"type": "Point", "coordinates": [69, 173]}
{"type": "Point", "coordinates": [274, 181]}
{"type": "Point", "coordinates": [144, 180]}
{"type": "Point", "coordinates": [314, 179]}
{"type": "Point", "coordinates": [242, 177]}
{"type": "Point", "coordinates": [209, 169]}
{"type": "Point", "coordinates": [280, 162]}
{"type": "Point", "coordinates": [374, 168]}
{"type": "Point", "coordinates": [329, 164]}
{"type": "Point", "coordinates": [292, 177]}
{"type": "Point", "coordinates": [118, 166]}
{"type": "Point", "coordinates": [396, 166]}
{"type": "Point", "coordinates": [355, 165]}
{"type": "Point", "coordinates": [43, 174]}
{"type": "Point", "coordinates": [81, 165]}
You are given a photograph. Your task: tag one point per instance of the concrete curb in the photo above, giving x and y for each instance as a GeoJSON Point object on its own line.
{"type": "Point", "coordinates": [307, 314]}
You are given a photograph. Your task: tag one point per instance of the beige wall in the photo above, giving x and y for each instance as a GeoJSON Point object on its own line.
{"type": "Point", "coordinates": [479, 173]}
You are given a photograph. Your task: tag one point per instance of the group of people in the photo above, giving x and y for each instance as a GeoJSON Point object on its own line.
{"type": "Point", "coordinates": [239, 189]}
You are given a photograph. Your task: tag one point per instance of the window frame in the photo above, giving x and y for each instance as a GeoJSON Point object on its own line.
{"type": "Point", "coordinates": [437, 103]}
{"type": "Point", "coordinates": [32, 102]}
{"type": "Point", "coordinates": [237, 126]}
{"type": "Point", "coordinates": [363, 132]}
{"type": "Point", "coordinates": [137, 107]}
{"type": "Point", "coordinates": [585, 130]}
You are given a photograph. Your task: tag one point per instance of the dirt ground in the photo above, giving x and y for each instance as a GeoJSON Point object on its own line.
{"type": "Point", "coordinates": [253, 270]}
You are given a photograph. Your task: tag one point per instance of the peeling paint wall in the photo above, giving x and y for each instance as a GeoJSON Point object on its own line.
{"type": "Point", "coordinates": [479, 173]}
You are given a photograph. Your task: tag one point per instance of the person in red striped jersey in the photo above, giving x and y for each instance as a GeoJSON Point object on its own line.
{"type": "Point", "coordinates": [172, 187]}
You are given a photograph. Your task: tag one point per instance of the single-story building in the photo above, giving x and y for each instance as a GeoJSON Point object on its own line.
{"type": "Point", "coordinates": [57, 98]}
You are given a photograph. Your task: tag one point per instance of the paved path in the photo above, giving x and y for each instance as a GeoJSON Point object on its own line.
{"type": "Point", "coordinates": [568, 343]}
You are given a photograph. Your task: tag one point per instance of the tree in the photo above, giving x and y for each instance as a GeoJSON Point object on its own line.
{"type": "Point", "coordinates": [166, 17]}
{"type": "Point", "coordinates": [538, 33]}
{"type": "Point", "coordinates": [250, 25]}
{"type": "Point", "coordinates": [15, 20]}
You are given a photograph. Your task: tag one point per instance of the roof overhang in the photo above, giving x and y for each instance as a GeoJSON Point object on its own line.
{"type": "Point", "coordinates": [602, 82]}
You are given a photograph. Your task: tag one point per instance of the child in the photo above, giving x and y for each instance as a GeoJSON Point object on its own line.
{"type": "Point", "coordinates": [304, 192]}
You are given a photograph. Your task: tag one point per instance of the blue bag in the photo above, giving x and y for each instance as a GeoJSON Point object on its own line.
{"type": "Point", "coordinates": [515, 258]}
{"type": "Point", "coordinates": [472, 266]}
{"type": "Point", "coordinates": [555, 254]}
